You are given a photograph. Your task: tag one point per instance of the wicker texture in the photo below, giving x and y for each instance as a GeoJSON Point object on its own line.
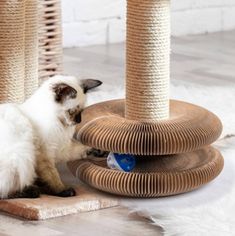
{"type": "Point", "coordinates": [50, 39]}
{"type": "Point", "coordinates": [159, 176]}
{"type": "Point", "coordinates": [147, 75]}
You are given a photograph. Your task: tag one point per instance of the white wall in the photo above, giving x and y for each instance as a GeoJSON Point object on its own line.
{"type": "Point", "coordinates": [89, 22]}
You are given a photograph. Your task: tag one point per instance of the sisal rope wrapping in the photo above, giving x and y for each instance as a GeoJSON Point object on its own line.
{"type": "Point", "coordinates": [18, 50]}
{"type": "Point", "coordinates": [12, 23]}
{"type": "Point", "coordinates": [31, 48]}
{"type": "Point", "coordinates": [147, 69]}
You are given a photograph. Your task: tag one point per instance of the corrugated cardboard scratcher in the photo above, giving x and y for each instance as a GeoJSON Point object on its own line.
{"type": "Point", "coordinates": [170, 138]}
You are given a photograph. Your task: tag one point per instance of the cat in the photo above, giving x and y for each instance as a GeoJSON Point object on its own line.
{"type": "Point", "coordinates": [38, 133]}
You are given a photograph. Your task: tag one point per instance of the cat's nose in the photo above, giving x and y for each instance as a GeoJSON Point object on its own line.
{"type": "Point", "coordinates": [78, 117]}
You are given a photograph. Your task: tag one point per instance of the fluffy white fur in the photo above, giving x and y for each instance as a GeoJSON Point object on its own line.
{"type": "Point", "coordinates": [209, 210]}
{"type": "Point", "coordinates": [17, 150]}
{"type": "Point", "coordinates": [43, 112]}
{"type": "Point", "coordinates": [27, 129]}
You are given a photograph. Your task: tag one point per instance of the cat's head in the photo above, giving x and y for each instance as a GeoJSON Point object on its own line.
{"type": "Point", "coordinates": [69, 94]}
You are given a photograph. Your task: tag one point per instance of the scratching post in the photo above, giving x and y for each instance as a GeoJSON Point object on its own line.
{"type": "Point", "coordinates": [147, 66]}
{"type": "Point", "coordinates": [18, 50]}
{"type": "Point", "coordinates": [31, 47]}
{"type": "Point", "coordinates": [12, 24]}
{"type": "Point", "coordinates": [169, 138]}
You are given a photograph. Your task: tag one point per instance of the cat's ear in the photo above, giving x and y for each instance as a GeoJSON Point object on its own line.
{"type": "Point", "coordinates": [63, 91]}
{"type": "Point", "coordinates": [88, 84]}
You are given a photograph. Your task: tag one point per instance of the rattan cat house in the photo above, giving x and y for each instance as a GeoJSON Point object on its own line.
{"type": "Point", "coordinates": [171, 139]}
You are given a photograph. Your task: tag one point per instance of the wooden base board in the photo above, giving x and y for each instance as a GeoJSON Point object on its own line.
{"type": "Point", "coordinates": [153, 176]}
{"type": "Point", "coordinates": [47, 207]}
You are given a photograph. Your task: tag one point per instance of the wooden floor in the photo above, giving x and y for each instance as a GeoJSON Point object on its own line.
{"type": "Point", "coordinates": [206, 60]}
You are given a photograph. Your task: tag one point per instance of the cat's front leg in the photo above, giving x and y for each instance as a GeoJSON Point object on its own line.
{"type": "Point", "coordinates": [77, 151]}
{"type": "Point", "coordinates": [50, 180]}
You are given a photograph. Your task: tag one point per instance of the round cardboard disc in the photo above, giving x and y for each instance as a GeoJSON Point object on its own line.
{"type": "Point", "coordinates": [153, 176]}
{"type": "Point", "coordinates": [189, 128]}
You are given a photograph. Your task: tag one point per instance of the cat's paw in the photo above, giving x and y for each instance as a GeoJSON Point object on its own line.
{"type": "Point", "coordinates": [69, 192]}
{"type": "Point", "coordinates": [28, 192]}
{"type": "Point", "coordinates": [34, 192]}
{"type": "Point", "coordinates": [84, 155]}
{"type": "Point", "coordinates": [97, 152]}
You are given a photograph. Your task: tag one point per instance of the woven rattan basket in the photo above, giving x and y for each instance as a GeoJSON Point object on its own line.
{"type": "Point", "coordinates": [50, 38]}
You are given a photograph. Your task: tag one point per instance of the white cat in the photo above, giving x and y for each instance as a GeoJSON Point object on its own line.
{"type": "Point", "coordinates": [37, 134]}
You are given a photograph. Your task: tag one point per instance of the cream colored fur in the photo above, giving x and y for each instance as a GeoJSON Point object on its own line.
{"type": "Point", "coordinates": [32, 130]}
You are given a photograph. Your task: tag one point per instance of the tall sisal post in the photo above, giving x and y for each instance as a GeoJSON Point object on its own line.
{"type": "Point", "coordinates": [172, 151]}
{"type": "Point", "coordinates": [12, 64]}
{"type": "Point", "coordinates": [18, 50]}
{"type": "Point", "coordinates": [31, 47]}
{"type": "Point", "coordinates": [147, 66]}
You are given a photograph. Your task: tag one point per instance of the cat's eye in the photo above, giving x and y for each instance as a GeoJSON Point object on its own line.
{"type": "Point", "coordinates": [74, 94]}
{"type": "Point", "coordinates": [71, 111]}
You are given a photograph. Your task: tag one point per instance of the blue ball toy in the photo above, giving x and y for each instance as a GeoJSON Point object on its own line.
{"type": "Point", "coordinates": [123, 162]}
